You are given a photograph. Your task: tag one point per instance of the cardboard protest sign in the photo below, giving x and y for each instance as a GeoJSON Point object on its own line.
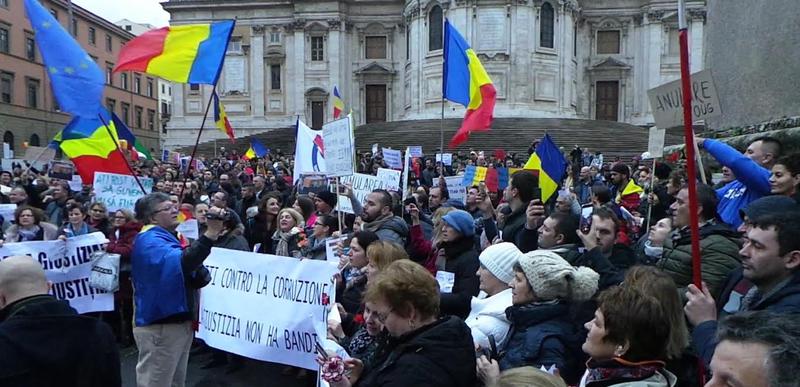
{"type": "Point", "coordinates": [339, 147]}
{"type": "Point", "coordinates": [446, 158]}
{"type": "Point", "coordinates": [362, 186]}
{"type": "Point", "coordinates": [119, 191]}
{"type": "Point", "coordinates": [313, 182]}
{"type": "Point", "coordinates": [391, 177]}
{"type": "Point", "coordinates": [393, 158]}
{"type": "Point", "coordinates": [266, 307]}
{"type": "Point", "coordinates": [655, 143]}
{"type": "Point", "coordinates": [666, 100]}
{"type": "Point", "coordinates": [455, 187]}
{"type": "Point", "coordinates": [68, 266]}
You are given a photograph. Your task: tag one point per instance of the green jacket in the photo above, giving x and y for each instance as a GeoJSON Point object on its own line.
{"type": "Point", "coordinates": [719, 252]}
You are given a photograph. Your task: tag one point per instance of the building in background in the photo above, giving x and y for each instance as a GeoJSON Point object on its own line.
{"type": "Point", "coordinates": [29, 112]}
{"type": "Point", "coordinates": [579, 59]}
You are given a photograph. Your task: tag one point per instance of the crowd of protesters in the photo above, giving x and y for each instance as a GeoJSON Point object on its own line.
{"type": "Point", "coordinates": [591, 288]}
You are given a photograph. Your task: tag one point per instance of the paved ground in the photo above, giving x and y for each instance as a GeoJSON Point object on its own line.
{"type": "Point", "coordinates": [254, 373]}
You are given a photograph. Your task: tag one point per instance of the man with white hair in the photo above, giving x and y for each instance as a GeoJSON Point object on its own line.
{"type": "Point", "coordinates": [44, 341]}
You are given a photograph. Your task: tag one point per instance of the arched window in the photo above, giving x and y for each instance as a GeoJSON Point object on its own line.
{"type": "Point", "coordinates": [435, 28]}
{"type": "Point", "coordinates": [8, 138]}
{"type": "Point", "coordinates": [34, 141]}
{"type": "Point", "coordinates": [546, 25]}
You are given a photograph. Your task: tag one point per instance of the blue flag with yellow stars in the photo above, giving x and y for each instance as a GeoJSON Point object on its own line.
{"type": "Point", "coordinates": [77, 80]}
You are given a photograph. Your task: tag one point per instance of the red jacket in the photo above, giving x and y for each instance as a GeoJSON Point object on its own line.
{"type": "Point", "coordinates": [423, 247]}
{"type": "Point", "coordinates": [123, 244]}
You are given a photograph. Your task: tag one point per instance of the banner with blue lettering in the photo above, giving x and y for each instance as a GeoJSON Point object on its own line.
{"type": "Point", "coordinates": [68, 266]}
{"type": "Point", "coordinates": [266, 307]}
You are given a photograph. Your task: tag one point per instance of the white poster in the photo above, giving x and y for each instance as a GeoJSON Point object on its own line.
{"type": "Point", "coordinates": [330, 250]}
{"type": "Point", "coordinates": [415, 151]}
{"type": "Point", "coordinates": [666, 100]}
{"type": "Point", "coordinates": [189, 228]}
{"type": "Point", "coordinates": [76, 184]}
{"type": "Point", "coordinates": [455, 187]}
{"type": "Point", "coordinates": [655, 144]}
{"type": "Point", "coordinates": [68, 265]}
{"type": "Point", "coordinates": [393, 158]}
{"type": "Point", "coordinates": [266, 307]}
{"type": "Point", "coordinates": [119, 191]}
{"type": "Point", "coordinates": [446, 159]}
{"type": "Point", "coordinates": [362, 186]}
{"type": "Point", "coordinates": [391, 177]}
{"type": "Point", "coordinates": [406, 170]}
{"type": "Point", "coordinates": [338, 139]}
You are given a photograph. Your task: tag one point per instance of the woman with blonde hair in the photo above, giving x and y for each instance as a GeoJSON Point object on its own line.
{"type": "Point", "coordinates": [380, 255]}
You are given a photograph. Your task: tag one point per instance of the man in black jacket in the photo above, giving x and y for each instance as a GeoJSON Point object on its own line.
{"type": "Point", "coordinates": [45, 342]}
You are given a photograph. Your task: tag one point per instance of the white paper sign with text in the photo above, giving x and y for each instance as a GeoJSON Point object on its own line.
{"type": "Point", "coordinates": [119, 191]}
{"type": "Point", "coordinates": [455, 187]}
{"type": "Point", "coordinates": [393, 158]}
{"type": "Point", "coordinates": [666, 100]}
{"type": "Point", "coordinates": [362, 186]}
{"type": "Point", "coordinates": [391, 177]}
{"type": "Point", "coordinates": [68, 266]}
{"type": "Point", "coordinates": [266, 307]}
{"type": "Point", "coordinates": [338, 139]}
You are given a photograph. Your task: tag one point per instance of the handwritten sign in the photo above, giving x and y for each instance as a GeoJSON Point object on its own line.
{"type": "Point", "coordinates": [331, 250]}
{"type": "Point", "coordinates": [391, 177]}
{"type": "Point", "coordinates": [455, 187]}
{"type": "Point", "coordinates": [667, 101]}
{"type": "Point", "coordinates": [68, 266]}
{"type": "Point", "coordinates": [338, 138]}
{"type": "Point", "coordinates": [266, 307]}
{"type": "Point", "coordinates": [655, 144]}
{"type": "Point", "coordinates": [446, 159]}
{"type": "Point", "coordinates": [415, 151]}
{"type": "Point", "coordinates": [119, 191]}
{"type": "Point", "coordinates": [393, 158]}
{"type": "Point", "coordinates": [362, 185]}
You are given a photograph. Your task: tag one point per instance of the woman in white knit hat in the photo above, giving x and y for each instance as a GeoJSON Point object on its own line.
{"type": "Point", "coordinates": [544, 290]}
{"type": "Point", "coordinates": [487, 314]}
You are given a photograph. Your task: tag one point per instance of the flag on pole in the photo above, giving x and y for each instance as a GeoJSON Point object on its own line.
{"type": "Point", "coordinates": [191, 53]}
{"type": "Point", "coordinates": [467, 83]}
{"type": "Point", "coordinates": [256, 150]}
{"type": "Point", "coordinates": [91, 147]}
{"type": "Point", "coordinates": [550, 163]}
{"type": "Point", "coordinates": [133, 144]}
{"type": "Point", "coordinates": [221, 118]}
{"type": "Point", "coordinates": [77, 80]}
{"type": "Point", "coordinates": [338, 103]}
{"type": "Point", "coordinates": [309, 153]}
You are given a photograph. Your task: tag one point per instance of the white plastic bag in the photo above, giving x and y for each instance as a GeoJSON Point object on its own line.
{"type": "Point", "coordinates": [105, 271]}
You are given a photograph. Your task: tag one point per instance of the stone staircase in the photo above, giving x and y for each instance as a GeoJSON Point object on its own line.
{"type": "Point", "coordinates": [510, 134]}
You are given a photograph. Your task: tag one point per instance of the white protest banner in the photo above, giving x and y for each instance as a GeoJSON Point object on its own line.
{"type": "Point", "coordinates": [655, 144]}
{"type": "Point", "coordinates": [266, 307]}
{"type": "Point", "coordinates": [446, 159]}
{"type": "Point", "coordinates": [391, 177]}
{"type": "Point", "coordinates": [7, 211]}
{"type": "Point", "coordinates": [455, 187]}
{"type": "Point", "coordinates": [362, 186]}
{"type": "Point", "coordinates": [330, 250]}
{"type": "Point", "coordinates": [119, 191]}
{"type": "Point", "coordinates": [338, 139]}
{"type": "Point", "coordinates": [68, 265]}
{"type": "Point", "coordinates": [76, 184]}
{"type": "Point", "coordinates": [666, 101]}
{"type": "Point", "coordinates": [393, 158]}
{"type": "Point", "coordinates": [416, 151]}
{"type": "Point", "coordinates": [406, 169]}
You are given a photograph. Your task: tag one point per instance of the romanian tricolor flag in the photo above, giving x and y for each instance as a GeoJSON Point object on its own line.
{"type": "Point", "coordinates": [132, 143]}
{"type": "Point", "coordinates": [221, 118]}
{"type": "Point", "coordinates": [256, 150]}
{"type": "Point", "coordinates": [551, 164]}
{"type": "Point", "coordinates": [92, 147]}
{"type": "Point", "coordinates": [338, 103]}
{"type": "Point", "coordinates": [190, 53]}
{"type": "Point", "coordinates": [467, 83]}
{"type": "Point", "coordinates": [496, 179]}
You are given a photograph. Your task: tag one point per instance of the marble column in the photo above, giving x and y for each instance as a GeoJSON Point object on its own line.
{"type": "Point", "coordinates": [257, 71]}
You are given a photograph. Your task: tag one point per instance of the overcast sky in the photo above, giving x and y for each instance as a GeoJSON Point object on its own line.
{"type": "Point", "coordinates": [140, 11]}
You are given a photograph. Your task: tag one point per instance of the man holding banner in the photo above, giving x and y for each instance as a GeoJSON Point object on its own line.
{"type": "Point", "coordinates": [166, 273]}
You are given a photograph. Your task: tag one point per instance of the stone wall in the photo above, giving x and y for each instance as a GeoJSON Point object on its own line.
{"type": "Point", "coordinates": [753, 50]}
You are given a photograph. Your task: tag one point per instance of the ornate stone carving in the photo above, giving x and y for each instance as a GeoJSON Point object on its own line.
{"type": "Point", "coordinates": [298, 24]}
{"type": "Point", "coordinates": [697, 14]}
{"type": "Point", "coordinates": [655, 15]}
{"type": "Point", "coordinates": [334, 24]}
{"type": "Point", "coordinates": [637, 19]}
{"type": "Point", "coordinates": [258, 29]}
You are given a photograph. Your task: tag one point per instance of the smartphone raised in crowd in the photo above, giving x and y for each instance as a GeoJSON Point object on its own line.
{"type": "Point", "coordinates": [586, 218]}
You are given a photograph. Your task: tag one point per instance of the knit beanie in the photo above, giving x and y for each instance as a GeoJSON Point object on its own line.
{"type": "Point", "coordinates": [551, 277]}
{"type": "Point", "coordinates": [462, 221]}
{"type": "Point", "coordinates": [328, 197]}
{"type": "Point", "coordinates": [500, 259]}
{"type": "Point", "coordinates": [621, 168]}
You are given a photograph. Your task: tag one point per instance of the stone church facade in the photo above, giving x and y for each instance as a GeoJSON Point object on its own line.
{"type": "Point", "coordinates": [585, 59]}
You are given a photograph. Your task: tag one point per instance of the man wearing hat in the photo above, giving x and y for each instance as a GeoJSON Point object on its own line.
{"type": "Point", "coordinates": [457, 263]}
{"type": "Point", "coordinates": [325, 202]}
{"type": "Point", "coordinates": [625, 191]}
{"type": "Point", "coordinates": [487, 314]}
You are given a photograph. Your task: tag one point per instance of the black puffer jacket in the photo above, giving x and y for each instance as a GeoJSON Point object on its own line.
{"type": "Point", "coordinates": [438, 355]}
{"type": "Point", "coordinates": [44, 342]}
{"type": "Point", "coordinates": [462, 261]}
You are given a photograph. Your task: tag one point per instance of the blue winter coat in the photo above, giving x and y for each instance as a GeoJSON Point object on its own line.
{"type": "Point", "coordinates": [541, 335]}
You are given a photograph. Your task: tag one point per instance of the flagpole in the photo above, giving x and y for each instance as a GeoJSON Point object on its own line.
{"type": "Point", "coordinates": [116, 145]}
{"type": "Point", "coordinates": [197, 141]}
{"type": "Point", "coordinates": [441, 135]}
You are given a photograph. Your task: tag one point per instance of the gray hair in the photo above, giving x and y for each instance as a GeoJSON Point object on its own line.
{"type": "Point", "coordinates": [779, 332]}
{"type": "Point", "coordinates": [146, 206]}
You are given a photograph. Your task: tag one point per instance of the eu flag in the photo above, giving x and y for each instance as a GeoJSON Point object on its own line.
{"type": "Point", "coordinates": [77, 81]}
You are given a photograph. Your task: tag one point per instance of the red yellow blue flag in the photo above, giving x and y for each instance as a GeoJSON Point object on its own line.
{"type": "Point", "coordinates": [467, 83]}
{"type": "Point", "coordinates": [221, 118]}
{"type": "Point", "coordinates": [338, 103]}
